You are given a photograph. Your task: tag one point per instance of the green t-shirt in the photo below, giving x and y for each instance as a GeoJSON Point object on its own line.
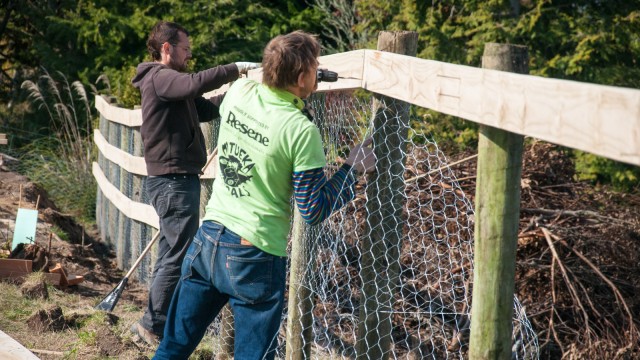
{"type": "Point", "coordinates": [263, 139]}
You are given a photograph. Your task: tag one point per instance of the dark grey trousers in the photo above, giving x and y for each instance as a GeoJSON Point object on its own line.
{"type": "Point", "coordinates": [176, 199]}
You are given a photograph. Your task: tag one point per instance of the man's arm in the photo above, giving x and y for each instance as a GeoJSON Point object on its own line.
{"type": "Point", "coordinates": [208, 109]}
{"type": "Point", "coordinates": [317, 197]}
{"type": "Point", "coordinates": [171, 85]}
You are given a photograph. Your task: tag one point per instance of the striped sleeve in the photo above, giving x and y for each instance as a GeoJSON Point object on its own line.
{"type": "Point", "coordinates": [318, 197]}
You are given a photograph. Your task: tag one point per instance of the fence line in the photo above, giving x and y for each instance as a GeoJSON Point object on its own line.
{"type": "Point", "coordinates": [603, 120]}
{"type": "Point", "coordinates": [595, 118]}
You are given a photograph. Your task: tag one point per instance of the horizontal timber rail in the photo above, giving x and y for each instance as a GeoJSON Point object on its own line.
{"type": "Point", "coordinates": [603, 120]}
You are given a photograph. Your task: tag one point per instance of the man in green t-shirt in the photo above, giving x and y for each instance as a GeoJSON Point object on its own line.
{"type": "Point", "coordinates": [268, 151]}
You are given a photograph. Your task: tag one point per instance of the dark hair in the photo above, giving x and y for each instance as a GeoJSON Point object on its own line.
{"type": "Point", "coordinates": [162, 32]}
{"type": "Point", "coordinates": [287, 56]}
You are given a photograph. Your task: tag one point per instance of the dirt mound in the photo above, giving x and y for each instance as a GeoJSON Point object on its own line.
{"type": "Point", "coordinates": [577, 270]}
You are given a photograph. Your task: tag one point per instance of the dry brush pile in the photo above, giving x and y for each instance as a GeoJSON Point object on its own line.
{"type": "Point", "coordinates": [577, 274]}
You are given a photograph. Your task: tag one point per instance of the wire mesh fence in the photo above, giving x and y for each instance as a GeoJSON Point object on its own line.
{"type": "Point", "coordinates": [387, 276]}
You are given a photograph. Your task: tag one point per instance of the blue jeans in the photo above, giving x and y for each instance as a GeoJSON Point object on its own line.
{"type": "Point", "coordinates": [219, 269]}
{"type": "Point", "coordinates": [176, 199]}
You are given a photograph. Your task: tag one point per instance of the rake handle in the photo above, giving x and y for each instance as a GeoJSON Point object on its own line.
{"type": "Point", "coordinates": [142, 255]}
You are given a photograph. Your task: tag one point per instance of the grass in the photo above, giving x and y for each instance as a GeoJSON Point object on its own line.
{"type": "Point", "coordinates": [83, 338]}
{"type": "Point", "coordinates": [61, 161]}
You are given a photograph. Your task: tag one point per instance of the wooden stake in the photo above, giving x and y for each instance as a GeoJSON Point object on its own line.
{"type": "Point", "coordinates": [300, 307]}
{"type": "Point", "coordinates": [37, 202]}
{"type": "Point", "coordinates": [49, 249]}
{"type": "Point", "coordinates": [384, 207]}
{"type": "Point", "coordinates": [496, 227]}
{"type": "Point", "coordinates": [46, 352]}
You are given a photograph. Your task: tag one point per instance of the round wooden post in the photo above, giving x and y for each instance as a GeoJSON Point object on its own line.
{"type": "Point", "coordinates": [380, 259]}
{"type": "Point", "coordinates": [300, 306]}
{"type": "Point", "coordinates": [113, 137]}
{"type": "Point", "coordinates": [496, 226]}
{"type": "Point", "coordinates": [138, 229]}
{"type": "Point", "coordinates": [300, 301]}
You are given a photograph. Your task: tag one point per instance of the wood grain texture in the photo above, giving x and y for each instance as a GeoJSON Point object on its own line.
{"type": "Point", "coordinates": [117, 114]}
{"type": "Point", "coordinates": [133, 164]}
{"type": "Point", "coordinates": [603, 120]}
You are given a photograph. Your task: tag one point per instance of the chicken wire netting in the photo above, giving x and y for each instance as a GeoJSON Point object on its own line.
{"type": "Point", "coordinates": [390, 274]}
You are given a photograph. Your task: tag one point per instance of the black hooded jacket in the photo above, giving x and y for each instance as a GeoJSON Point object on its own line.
{"type": "Point", "coordinates": [172, 109]}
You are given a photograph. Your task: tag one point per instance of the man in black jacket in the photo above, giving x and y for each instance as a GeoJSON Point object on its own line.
{"type": "Point", "coordinates": [174, 152]}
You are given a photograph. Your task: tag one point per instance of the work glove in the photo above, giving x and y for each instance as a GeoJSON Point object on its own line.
{"type": "Point", "coordinates": [244, 66]}
{"type": "Point", "coordinates": [361, 157]}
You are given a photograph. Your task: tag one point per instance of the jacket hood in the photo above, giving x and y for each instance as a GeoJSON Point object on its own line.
{"type": "Point", "coordinates": [142, 70]}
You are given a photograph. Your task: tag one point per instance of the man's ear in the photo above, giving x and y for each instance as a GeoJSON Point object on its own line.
{"type": "Point", "coordinates": [301, 79]}
{"type": "Point", "coordinates": [166, 48]}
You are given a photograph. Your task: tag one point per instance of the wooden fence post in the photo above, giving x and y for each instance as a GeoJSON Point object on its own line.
{"type": "Point", "coordinates": [496, 226]}
{"type": "Point", "coordinates": [227, 331]}
{"type": "Point", "coordinates": [113, 175]}
{"type": "Point", "coordinates": [141, 233]}
{"type": "Point", "coordinates": [300, 306]}
{"type": "Point", "coordinates": [303, 254]}
{"type": "Point", "coordinates": [124, 223]}
{"type": "Point", "coordinates": [380, 259]}
{"type": "Point", "coordinates": [101, 200]}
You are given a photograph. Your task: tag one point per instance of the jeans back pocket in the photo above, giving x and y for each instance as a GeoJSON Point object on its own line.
{"type": "Point", "coordinates": [251, 277]}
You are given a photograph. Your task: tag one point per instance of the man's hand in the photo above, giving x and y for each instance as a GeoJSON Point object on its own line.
{"type": "Point", "coordinates": [244, 66]}
{"type": "Point", "coordinates": [361, 157]}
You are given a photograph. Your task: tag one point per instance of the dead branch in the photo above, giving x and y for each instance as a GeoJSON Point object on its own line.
{"type": "Point", "coordinates": [565, 275]}
{"type": "Point", "coordinates": [575, 213]}
{"type": "Point", "coordinates": [619, 298]}
{"type": "Point", "coordinates": [440, 169]}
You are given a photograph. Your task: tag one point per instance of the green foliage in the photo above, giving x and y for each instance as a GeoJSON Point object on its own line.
{"type": "Point", "coordinates": [594, 41]}
{"type": "Point", "coordinates": [450, 133]}
{"type": "Point", "coordinates": [591, 41]}
{"type": "Point", "coordinates": [68, 182]}
{"type": "Point", "coordinates": [127, 95]}
{"type": "Point", "coordinates": [600, 170]}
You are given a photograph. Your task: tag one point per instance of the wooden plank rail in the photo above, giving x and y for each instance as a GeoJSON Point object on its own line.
{"type": "Point", "coordinates": [10, 349]}
{"type": "Point", "coordinates": [603, 120]}
{"type": "Point", "coordinates": [134, 210]}
{"type": "Point", "coordinates": [3, 139]}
